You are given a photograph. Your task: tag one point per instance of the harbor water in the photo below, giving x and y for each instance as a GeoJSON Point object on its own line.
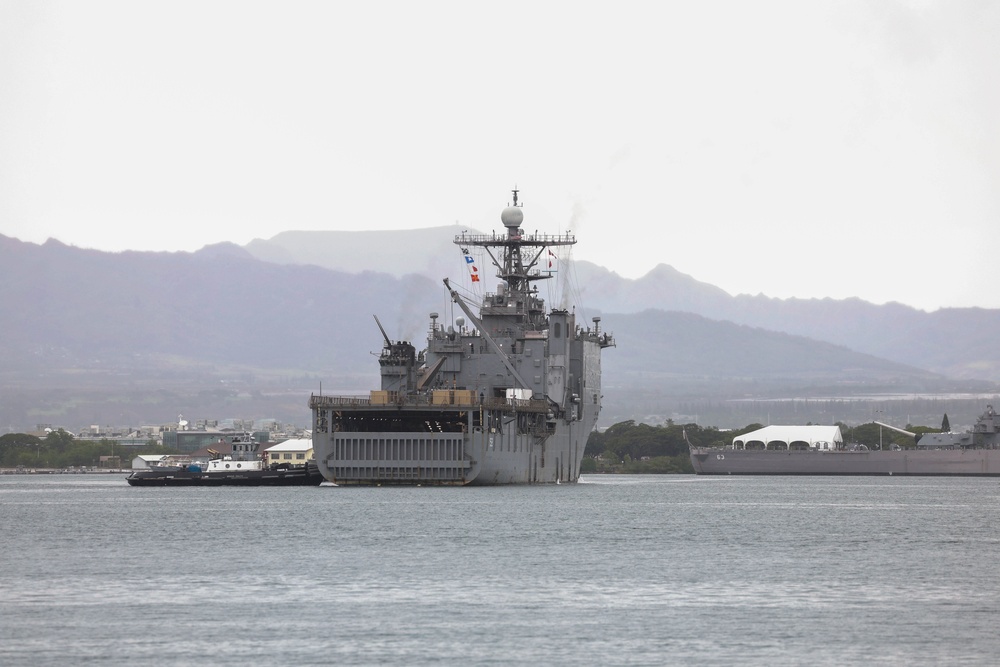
{"type": "Point", "coordinates": [636, 570]}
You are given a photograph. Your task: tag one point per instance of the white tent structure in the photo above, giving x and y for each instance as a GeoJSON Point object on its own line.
{"type": "Point", "coordinates": [791, 437]}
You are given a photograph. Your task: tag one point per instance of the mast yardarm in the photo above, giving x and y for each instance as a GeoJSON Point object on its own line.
{"type": "Point", "coordinates": [517, 256]}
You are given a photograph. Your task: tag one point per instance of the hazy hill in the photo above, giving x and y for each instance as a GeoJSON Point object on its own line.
{"type": "Point", "coordinates": [429, 252]}
{"type": "Point", "coordinates": [956, 342]}
{"type": "Point", "coordinates": [64, 305]}
{"type": "Point", "coordinates": [221, 306]}
{"type": "Point", "coordinates": [128, 337]}
{"type": "Point", "coordinates": [667, 344]}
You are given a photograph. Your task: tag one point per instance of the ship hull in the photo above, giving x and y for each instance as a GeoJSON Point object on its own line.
{"type": "Point", "coordinates": [477, 458]}
{"type": "Point", "coordinates": [937, 462]}
{"type": "Point", "coordinates": [307, 476]}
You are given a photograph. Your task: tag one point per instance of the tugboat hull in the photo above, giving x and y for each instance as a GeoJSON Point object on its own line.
{"type": "Point", "coordinates": [307, 476]}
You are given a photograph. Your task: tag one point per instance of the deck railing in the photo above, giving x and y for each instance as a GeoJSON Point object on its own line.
{"type": "Point", "coordinates": [424, 400]}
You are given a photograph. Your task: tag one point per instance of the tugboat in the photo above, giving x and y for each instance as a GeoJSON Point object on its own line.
{"type": "Point", "coordinates": [241, 468]}
{"type": "Point", "coordinates": [506, 397]}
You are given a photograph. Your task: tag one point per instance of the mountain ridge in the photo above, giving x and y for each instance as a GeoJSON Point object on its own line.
{"type": "Point", "coordinates": [949, 341]}
{"type": "Point", "coordinates": [220, 324]}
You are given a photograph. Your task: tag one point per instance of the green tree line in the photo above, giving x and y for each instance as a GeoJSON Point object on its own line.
{"type": "Point", "coordinates": [642, 448]}
{"type": "Point", "coordinates": [623, 447]}
{"type": "Point", "coordinates": [59, 449]}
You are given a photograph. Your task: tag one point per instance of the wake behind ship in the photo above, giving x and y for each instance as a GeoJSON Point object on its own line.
{"type": "Point", "coordinates": [508, 396]}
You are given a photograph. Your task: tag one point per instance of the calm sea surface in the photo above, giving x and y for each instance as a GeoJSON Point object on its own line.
{"type": "Point", "coordinates": [642, 570]}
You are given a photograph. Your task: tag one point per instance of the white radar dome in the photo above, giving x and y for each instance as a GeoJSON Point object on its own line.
{"type": "Point", "coordinates": [512, 216]}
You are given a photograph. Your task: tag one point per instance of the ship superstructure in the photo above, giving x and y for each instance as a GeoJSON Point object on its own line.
{"type": "Point", "coordinates": [508, 396]}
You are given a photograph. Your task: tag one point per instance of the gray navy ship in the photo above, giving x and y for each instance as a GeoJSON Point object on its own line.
{"type": "Point", "coordinates": [974, 453]}
{"type": "Point", "coordinates": [508, 396]}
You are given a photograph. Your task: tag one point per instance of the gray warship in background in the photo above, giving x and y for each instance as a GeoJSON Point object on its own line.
{"type": "Point", "coordinates": [975, 453]}
{"type": "Point", "coordinates": [506, 397]}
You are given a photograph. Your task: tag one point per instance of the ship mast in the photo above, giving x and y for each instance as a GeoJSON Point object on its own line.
{"type": "Point", "coordinates": [516, 255]}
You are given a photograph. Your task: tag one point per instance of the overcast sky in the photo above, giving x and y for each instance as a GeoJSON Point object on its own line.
{"type": "Point", "coordinates": [795, 148]}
